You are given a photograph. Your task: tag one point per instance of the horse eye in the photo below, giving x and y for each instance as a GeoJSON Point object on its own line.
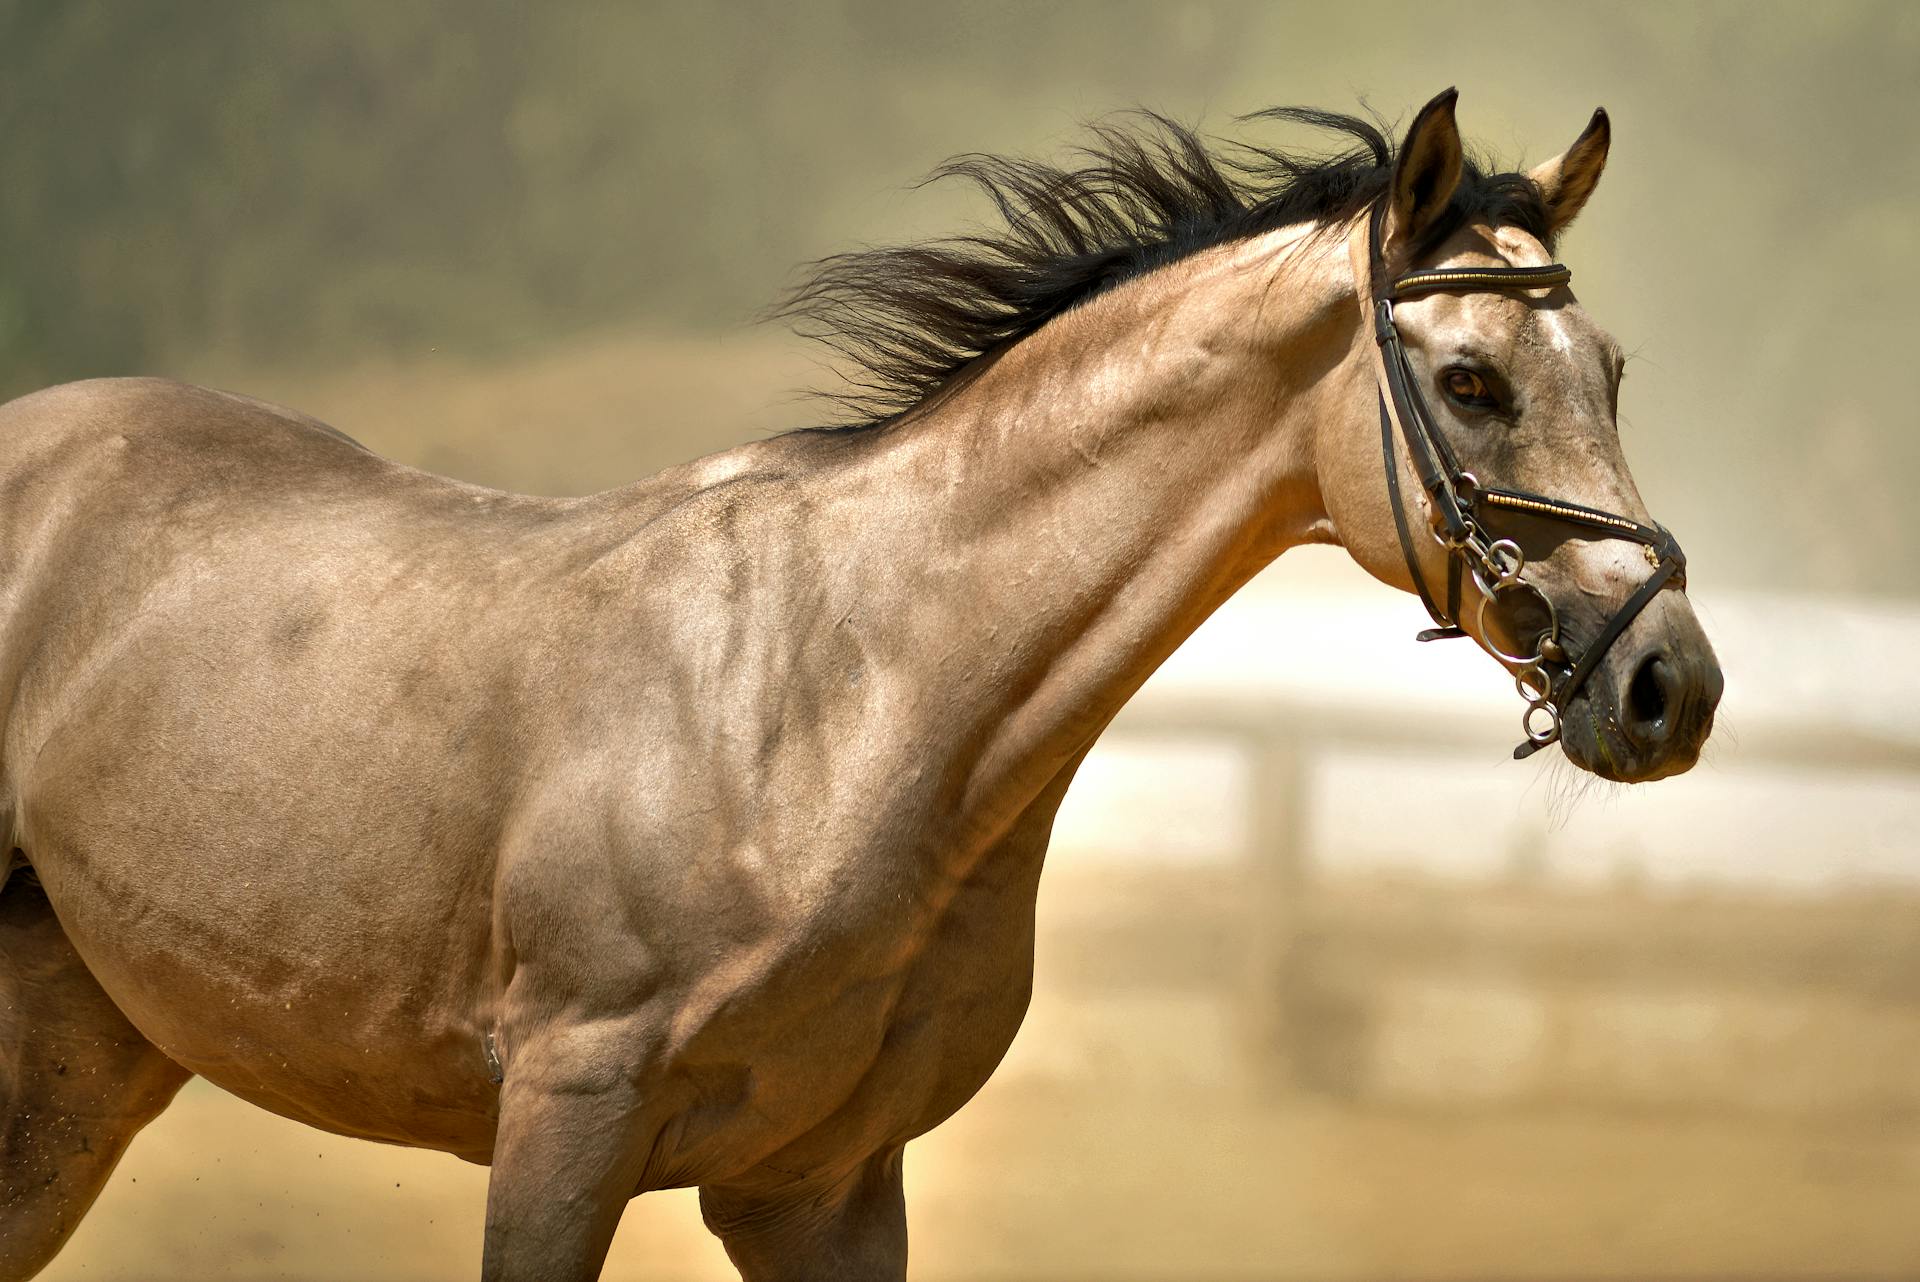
{"type": "Point", "coordinates": [1467, 388]}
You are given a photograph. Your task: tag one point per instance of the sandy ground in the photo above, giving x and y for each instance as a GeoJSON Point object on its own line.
{"type": "Point", "coordinates": [1134, 1173]}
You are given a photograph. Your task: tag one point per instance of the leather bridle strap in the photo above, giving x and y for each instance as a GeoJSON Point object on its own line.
{"type": "Point", "coordinates": [1549, 678]}
{"type": "Point", "coordinates": [1668, 568]}
{"type": "Point", "coordinates": [1406, 536]}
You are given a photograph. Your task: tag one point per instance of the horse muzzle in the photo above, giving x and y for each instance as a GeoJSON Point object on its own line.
{"type": "Point", "coordinates": [1649, 710]}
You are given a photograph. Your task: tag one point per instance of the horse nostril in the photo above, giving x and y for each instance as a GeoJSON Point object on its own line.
{"type": "Point", "coordinates": [1648, 698]}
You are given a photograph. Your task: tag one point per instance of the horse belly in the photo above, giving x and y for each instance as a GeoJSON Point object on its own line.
{"type": "Point", "coordinates": [327, 1028]}
{"type": "Point", "coordinates": [318, 950]}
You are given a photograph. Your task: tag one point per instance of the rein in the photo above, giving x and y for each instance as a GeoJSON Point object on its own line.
{"type": "Point", "coordinates": [1458, 504]}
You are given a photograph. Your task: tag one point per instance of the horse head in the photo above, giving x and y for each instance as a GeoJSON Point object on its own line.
{"type": "Point", "coordinates": [1507, 503]}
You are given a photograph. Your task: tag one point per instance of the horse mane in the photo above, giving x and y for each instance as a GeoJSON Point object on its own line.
{"type": "Point", "coordinates": [1143, 191]}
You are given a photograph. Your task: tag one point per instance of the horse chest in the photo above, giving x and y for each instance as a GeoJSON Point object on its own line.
{"type": "Point", "coordinates": [878, 1057]}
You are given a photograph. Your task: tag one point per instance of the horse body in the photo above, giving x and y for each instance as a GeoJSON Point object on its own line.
{"type": "Point", "coordinates": [687, 834]}
{"type": "Point", "coordinates": [351, 775]}
{"type": "Point", "coordinates": [301, 781]}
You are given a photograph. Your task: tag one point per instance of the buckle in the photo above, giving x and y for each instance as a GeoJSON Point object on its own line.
{"type": "Point", "coordinates": [1383, 328]}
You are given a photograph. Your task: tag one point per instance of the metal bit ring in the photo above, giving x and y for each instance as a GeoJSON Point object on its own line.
{"type": "Point", "coordinates": [1542, 737]}
{"type": "Point", "coordinates": [1550, 633]}
{"type": "Point", "coordinates": [1506, 560]}
{"type": "Point", "coordinates": [1534, 683]}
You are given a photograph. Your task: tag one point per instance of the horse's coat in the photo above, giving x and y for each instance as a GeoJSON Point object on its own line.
{"type": "Point", "coordinates": [713, 806]}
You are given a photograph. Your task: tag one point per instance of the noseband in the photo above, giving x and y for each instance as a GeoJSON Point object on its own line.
{"type": "Point", "coordinates": [1458, 506]}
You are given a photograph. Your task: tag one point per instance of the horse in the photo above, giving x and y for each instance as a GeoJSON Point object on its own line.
{"type": "Point", "coordinates": [689, 834]}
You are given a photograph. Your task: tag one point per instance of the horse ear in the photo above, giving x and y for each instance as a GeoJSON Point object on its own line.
{"type": "Point", "coordinates": [1425, 173]}
{"type": "Point", "coordinates": [1568, 179]}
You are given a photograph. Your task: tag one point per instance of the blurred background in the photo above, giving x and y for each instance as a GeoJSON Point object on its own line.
{"type": "Point", "coordinates": [1328, 987]}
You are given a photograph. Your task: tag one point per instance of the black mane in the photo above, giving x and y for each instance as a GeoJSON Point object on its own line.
{"type": "Point", "coordinates": [1145, 192]}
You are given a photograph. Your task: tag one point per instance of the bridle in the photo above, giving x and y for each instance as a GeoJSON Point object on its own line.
{"type": "Point", "coordinates": [1458, 506]}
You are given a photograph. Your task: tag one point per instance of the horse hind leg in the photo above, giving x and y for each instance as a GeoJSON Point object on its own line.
{"type": "Point", "coordinates": [77, 1082]}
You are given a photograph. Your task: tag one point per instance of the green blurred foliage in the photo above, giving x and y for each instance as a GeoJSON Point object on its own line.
{"type": "Point", "coordinates": [287, 180]}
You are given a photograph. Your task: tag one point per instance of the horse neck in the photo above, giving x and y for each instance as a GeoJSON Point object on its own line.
{"type": "Point", "coordinates": [1083, 504]}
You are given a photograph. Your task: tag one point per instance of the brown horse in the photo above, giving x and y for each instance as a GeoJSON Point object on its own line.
{"type": "Point", "coordinates": [689, 834]}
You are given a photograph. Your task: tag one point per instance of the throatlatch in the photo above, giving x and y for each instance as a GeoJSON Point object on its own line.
{"type": "Point", "coordinates": [1550, 677]}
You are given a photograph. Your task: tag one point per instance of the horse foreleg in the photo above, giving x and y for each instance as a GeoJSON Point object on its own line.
{"type": "Point", "coordinates": [571, 1151]}
{"type": "Point", "coordinates": [77, 1082]}
{"type": "Point", "coordinates": [850, 1229]}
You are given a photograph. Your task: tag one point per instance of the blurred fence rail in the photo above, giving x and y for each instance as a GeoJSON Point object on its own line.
{"type": "Point", "coordinates": [1520, 990]}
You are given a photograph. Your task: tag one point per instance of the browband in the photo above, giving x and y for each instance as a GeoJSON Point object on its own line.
{"type": "Point", "coordinates": [1476, 278]}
